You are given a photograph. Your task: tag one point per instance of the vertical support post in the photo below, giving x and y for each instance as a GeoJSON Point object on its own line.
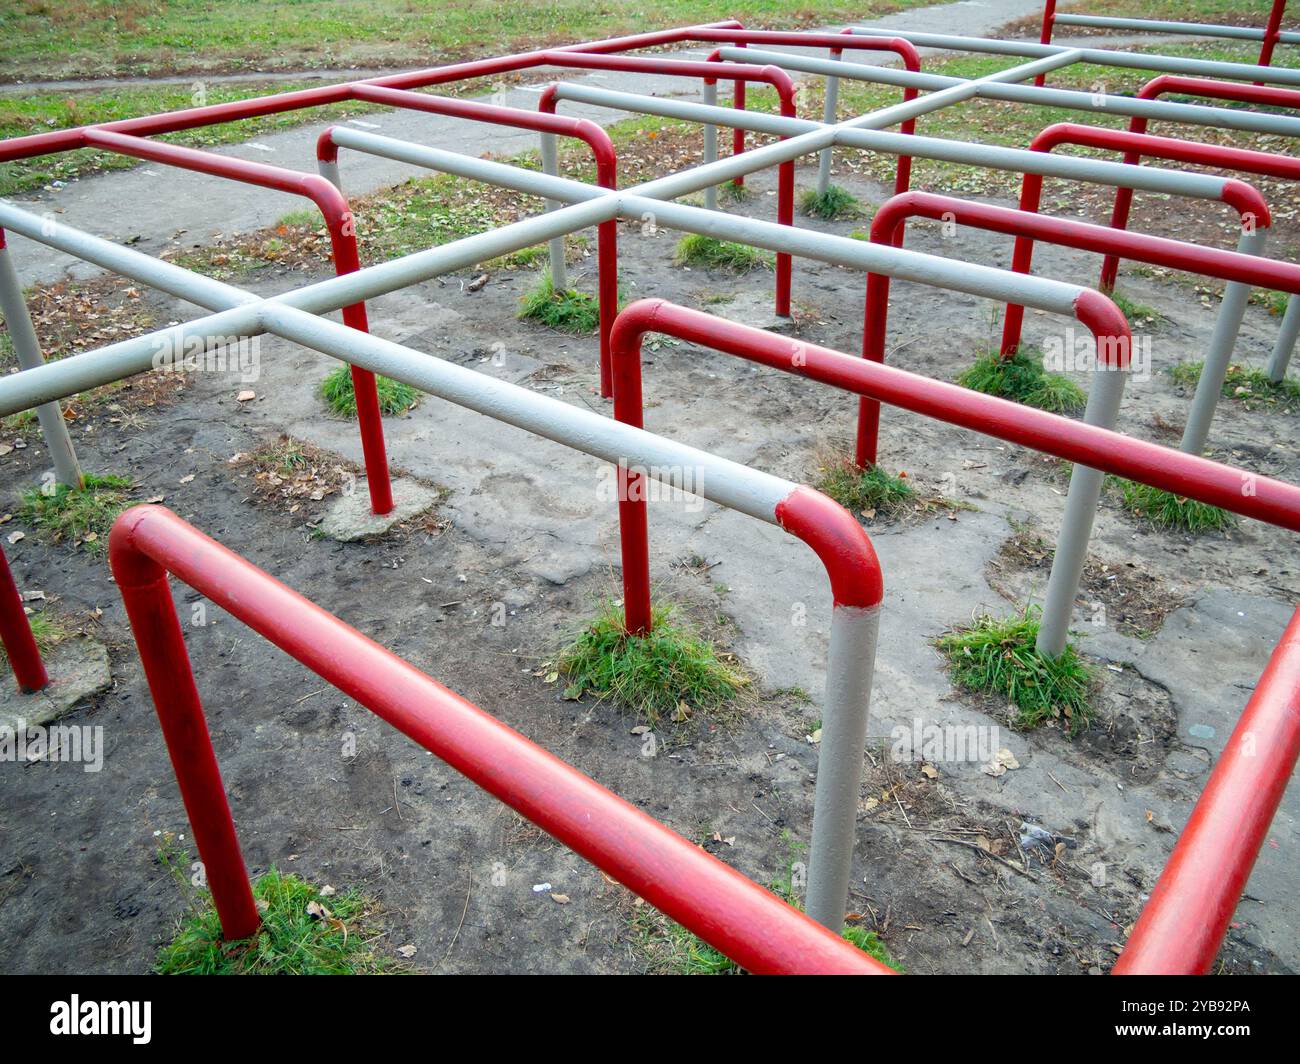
{"type": "Point", "coordinates": [146, 594]}
{"type": "Point", "coordinates": [710, 143]}
{"type": "Point", "coordinates": [634, 541]}
{"type": "Point", "coordinates": [1080, 510]}
{"type": "Point", "coordinates": [551, 166]}
{"type": "Point", "coordinates": [1286, 338]}
{"type": "Point", "coordinates": [27, 348]}
{"type": "Point", "coordinates": [16, 634]}
{"type": "Point", "coordinates": [1219, 353]}
{"type": "Point", "coordinates": [1270, 34]}
{"type": "Point", "coordinates": [370, 418]}
{"type": "Point", "coordinates": [850, 667]}
{"type": "Point", "coordinates": [738, 134]}
{"type": "Point", "coordinates": [829, 113]}
{"type": "Point", "coordinates": [1045, 36]}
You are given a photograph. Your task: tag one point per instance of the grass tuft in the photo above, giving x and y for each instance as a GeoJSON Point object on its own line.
{"type": "Point", "coordinates": [47, 632]}
{"type": "Point", "coordinates": [834, 203]}
{"type": "Point", "coordinates": [706, 251]}
{"type": "Point", "coordinates": [1251, 387]}
{"type": "Point", "coordinates": [83, 515]}
{"type": "Point", "coordinates": [569, 311]}
{"type": "Point", "coordinates": [1022, 378]}
{"type": "Point", "coordinates": [340, 396]}
{"type": "Point", "coordinates": [1164, 509]}
{"type": "Point", "coordinates": [1136, 313]}
{"type": "Point", "coordinates": [734, 193]}
{"type": "Point", "coordinates": [869, 491]}
{"type": "Point", "coordinates": [997, 655]}
{"type": "Point", "coordinates": [671, 671]}
{"type": "Point", "coordinates": [303, 933]}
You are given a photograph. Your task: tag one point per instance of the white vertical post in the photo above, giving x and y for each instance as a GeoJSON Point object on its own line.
{"type": "Point", "coordinates": [711, 144]}
{"type": "Point", "coordinates": [1286, 339]}
{"type": "Point", "coordinates": [828, 116]}
{"type": "Point", "coordinates": [851, 664]}
{"type": "Point", "coordinates": [551, 165]}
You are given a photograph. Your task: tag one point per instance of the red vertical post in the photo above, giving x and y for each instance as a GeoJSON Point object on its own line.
{"type": "Point", "coordinates": [1045, 37]}
{"type": "Point", "coordinates": [1271, 33]}
{"type": "Point", "coordinates": [738, 134]}
{"type": "Point", "coordinates": [16, 634]}
{"type": "Point", "coordinates": [146, 593]}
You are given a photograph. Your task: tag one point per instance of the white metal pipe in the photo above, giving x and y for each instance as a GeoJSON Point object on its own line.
{"type": "Point", "coordinates": [850, 665]}
{"type": "Point", "coordinates": [1286, 339]}
{"type": "Point", "coordinates": [829, 114]}
{"type": "Point", "coordinates": [1099, 56]}
{"type": "Point", "coordinates": [551, 165]}
{"type": "Point", "coordinates": [710, 144]}
{"type": "Point", "coordinates": [1218, 355]}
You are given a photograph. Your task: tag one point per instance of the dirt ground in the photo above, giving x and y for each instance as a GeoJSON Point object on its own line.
{"type": "Point", "coordinates": [939, 872]}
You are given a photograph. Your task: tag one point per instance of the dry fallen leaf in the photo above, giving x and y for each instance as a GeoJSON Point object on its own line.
{"type": "Point", "coordinates": [247, 395]}
{"type": "Point", "coordinates": [560, 899]}
{"type": "Point", "coordinates": [407, 951]}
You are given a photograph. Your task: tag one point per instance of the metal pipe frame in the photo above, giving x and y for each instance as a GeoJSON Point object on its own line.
{"type": "Point", "coordinates": [341, 225]}
{"type": "Point", "coordinates": [1269, 37]}
{"type": "Point", "coordinates": [832, 532]}
{"type": "Point", "coordinates": [1184, 922]}
{"type": "Point", "coordinates": [1221, 90]}
{"type": "Point", "coordinates": [549, 125]}
{"type": "Point", "coordinates": [1164, 64]}
{"type": "Point", "coordinates": [1254, 227]}
{"type": "Point", "coordinates": [753, 927]}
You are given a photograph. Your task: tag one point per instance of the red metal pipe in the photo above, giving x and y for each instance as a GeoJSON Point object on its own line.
{"type": "Point", "coordinates": [16, 634]}
{"type": "Point", "coordinates": [1273, 501]}
{"type": "Point", "coordinates": [836, 42]}
{"type": "Point", "coordinates": [753, 927]}
{"type": "Point", "coordinates": [544, 121]}
{"type": "Point", "coordinates": [1271, 33]}
{"type": "Point", "coordinates": [741, 72]}
{"type": "Point", "coordinates": [1182, 926]}
{"type": "Point", "coordinates": [831, 531]}
{"type": "Point", "coordinates": [213, 114]}
{"type": "Point", "coordinates": [1106, 322]}
{"type": "Point", "coordinates": [1245, 199]}
{"type": "Point", "coordinates": [1210, 262]}
{"type": "Point", "coordinates": [1215, 90]}
{"type": "Point", "coordinates": [1045, 35]}
{"type": "Point", "coordinates": [343, 240]}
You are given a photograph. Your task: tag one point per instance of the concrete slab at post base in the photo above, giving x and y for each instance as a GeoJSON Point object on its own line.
{"type": "Point", "coordinates": [78, 668]}
{"type": "Point", "coordinates": [350, 518]}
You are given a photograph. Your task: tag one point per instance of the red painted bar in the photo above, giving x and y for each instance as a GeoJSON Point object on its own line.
{"type": "Point", "coordinates": [343, 241]}
{"type": "Point", "coordinates": [1262, 498]}
{"type": "Point", "coordinates": [750, 925]}
{"type": "Point", "coordinates": [16, 634]}
{"type": "Point", "coordinates": [893, 213]}
{"type": "Point", "coordinates": [1244, 198]}
{"type": "Point", "coordinates": [1182, 926]}
{"type": "Point", "coordinates": [1209, 89]}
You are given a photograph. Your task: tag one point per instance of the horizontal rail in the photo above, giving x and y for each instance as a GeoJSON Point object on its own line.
{"type": "Point", "coordinates": [1241, 491]}
{"type": "Point", "coordinates": [1193, 29]}
{"type": "Point", "coordinates": [753, 927]}
{"type": "Point", "coordinates": [1098, 56]}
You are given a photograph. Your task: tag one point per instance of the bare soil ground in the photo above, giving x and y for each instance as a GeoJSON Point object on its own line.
{"type": "Point", "coordinates": [319, 787]}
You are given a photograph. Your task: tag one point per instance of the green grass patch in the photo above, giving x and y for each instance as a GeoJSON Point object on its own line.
{"type": "Point", "coordinates": [46, 630]}
{"type": "Point", "coordinates": [569, 311]}
{"type": "Point", "coordinates": [996, 655]}
{"type": "Point", "coordinates": [1251, 387]}
{"type": "Point", "coordinates": [1164, 509]}
{"type": "Point", "coordinates": [711, 253]}
{"type": "Point", "coordinates": [671, 672]}
{"type": "Point", "coordinates": [340, 396]}
{"type": "Point", "coordinates": [83, 515]}
{"type": "Point", "coordinates": [834, 203]}
{"type": "Point", "coordinates": [734, 193]}
{"type": "Point", "coordinates": [869, 491]}
{"type": "Point", "coordinates": [303, 932]}
{"type": "Point", "coordinates": [1137, 313]}
{"type": "Point", "coordinates": [1023, 379]}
